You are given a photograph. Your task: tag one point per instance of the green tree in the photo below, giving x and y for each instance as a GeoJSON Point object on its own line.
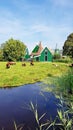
{"type": "Point", "coordinates": [13, 50]}
{"type": "Point", "coordinates": [68, 46]}
{"type": "Point", "coordinates": [1, 54]}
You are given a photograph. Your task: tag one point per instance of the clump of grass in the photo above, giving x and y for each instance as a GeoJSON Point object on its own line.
{"type": "Point", "coordinates": [65, 121]}
{"type": "Point", "coordinates": [61, 84]}
{"type": "Point", "coordinates": [65, 83]}
{"type": "Point", "coordinates": [40, 126]}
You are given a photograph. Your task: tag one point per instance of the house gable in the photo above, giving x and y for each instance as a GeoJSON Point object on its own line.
{"type": "Point", "coordinates": [46, 55]}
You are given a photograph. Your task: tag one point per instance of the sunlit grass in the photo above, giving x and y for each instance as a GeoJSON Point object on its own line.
{"type": "Point", "coordinates": [18, 75]}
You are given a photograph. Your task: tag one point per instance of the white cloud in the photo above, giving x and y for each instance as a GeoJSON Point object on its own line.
{"type": "Point", "coordinates": [50, 34]}
{"type": "Point", "coordinates": [31, 29]}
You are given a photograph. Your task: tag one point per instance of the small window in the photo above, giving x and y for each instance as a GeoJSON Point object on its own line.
{"type": "Point", "coordinates": [46, 52]}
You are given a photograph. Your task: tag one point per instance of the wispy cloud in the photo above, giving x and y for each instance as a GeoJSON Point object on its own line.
{"type": "Point", "coordinates": [30, 22]}
{"type": "Point", "coordinates": [50, 34]}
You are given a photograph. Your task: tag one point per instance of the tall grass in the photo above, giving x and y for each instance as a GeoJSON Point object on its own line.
{"type": "Point", "coordinates": [63, 121]}
{"type": "Point", "coordinates": [17, 127]}
{"type": "Point", "coordinates": [64, 83]}
{"type": "Point", "coordinates": [40, 126]}
{"type": "Point", "coordinates": [63, 115]}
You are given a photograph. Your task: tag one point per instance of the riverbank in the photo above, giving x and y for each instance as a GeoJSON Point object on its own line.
{"type": "Point", "coordinates": [18, 75]}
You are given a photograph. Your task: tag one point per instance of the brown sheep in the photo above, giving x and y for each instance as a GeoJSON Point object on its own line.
{"type": "Point", "coordinates": [7, 66]}
{"type": "Point", "coordinates": [23, 64]}
{"type": "Point", "coordinates": [12, 63]}
{"type": "Point", "coordinates": [31, 63]}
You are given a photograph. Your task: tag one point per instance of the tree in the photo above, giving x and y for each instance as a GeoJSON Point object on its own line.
{"type": "Point", "coordinates": [68, 46]}
{"type": "Point", "coordinates": [13, 50]}
{"type": "Point", "coordinates": [1, 54]}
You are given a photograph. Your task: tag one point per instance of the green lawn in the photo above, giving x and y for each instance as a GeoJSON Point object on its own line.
{"type": "Point", "coordinates": [18, 75]}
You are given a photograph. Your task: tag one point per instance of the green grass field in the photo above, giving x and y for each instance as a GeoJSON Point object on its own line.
{"type": "Point", "coordinates": [18, 75]}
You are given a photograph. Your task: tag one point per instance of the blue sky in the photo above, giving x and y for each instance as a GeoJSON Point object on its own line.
{"type": "Point", "coordinates": [31, 21]}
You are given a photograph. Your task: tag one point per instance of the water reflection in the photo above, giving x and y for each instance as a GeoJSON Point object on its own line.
{"type": "Point", "coordinates": [14, 106]}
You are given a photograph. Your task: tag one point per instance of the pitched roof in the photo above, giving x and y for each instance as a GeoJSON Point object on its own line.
{"type": "Point", "coordinates": [37, 50]}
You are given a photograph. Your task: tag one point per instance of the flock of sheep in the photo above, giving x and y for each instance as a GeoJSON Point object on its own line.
{"type": "Point", "coordinates": [14, 63]}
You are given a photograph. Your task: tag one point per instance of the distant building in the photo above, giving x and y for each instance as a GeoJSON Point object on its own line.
{"type": "Point", "coordinates": [57, 51]}
{"type": "Point", "coordinates": [41, 54]}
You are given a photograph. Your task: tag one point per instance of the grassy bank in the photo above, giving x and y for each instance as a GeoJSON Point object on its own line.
{"type": "Point", "coordinates": [61, 85]}
{"type": "Point", "coordinates": [19, 75]}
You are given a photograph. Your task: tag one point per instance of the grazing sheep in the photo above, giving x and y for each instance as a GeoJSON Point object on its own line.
{"type": "Point", "coordinates": [31, 63]}
{"type": "Point", "coordinates": [12, 63]}
{"type": "Point", "coordinates": [23, 64]}
{"type": "Point", "coordinates": [7, 66]}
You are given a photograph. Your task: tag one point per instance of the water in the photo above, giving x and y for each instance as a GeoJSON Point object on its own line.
{"type": "Point", "coordinates": [14, 106]}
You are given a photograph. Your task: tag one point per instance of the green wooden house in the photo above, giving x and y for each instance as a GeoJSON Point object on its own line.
{"type": "Point", "coordinates": [41, 54]}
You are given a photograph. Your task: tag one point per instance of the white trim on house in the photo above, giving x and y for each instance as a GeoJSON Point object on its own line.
{"type": "Point", "coordinates": [48, 49]}
{"type": "Point", "coordinates": [37, 56]}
